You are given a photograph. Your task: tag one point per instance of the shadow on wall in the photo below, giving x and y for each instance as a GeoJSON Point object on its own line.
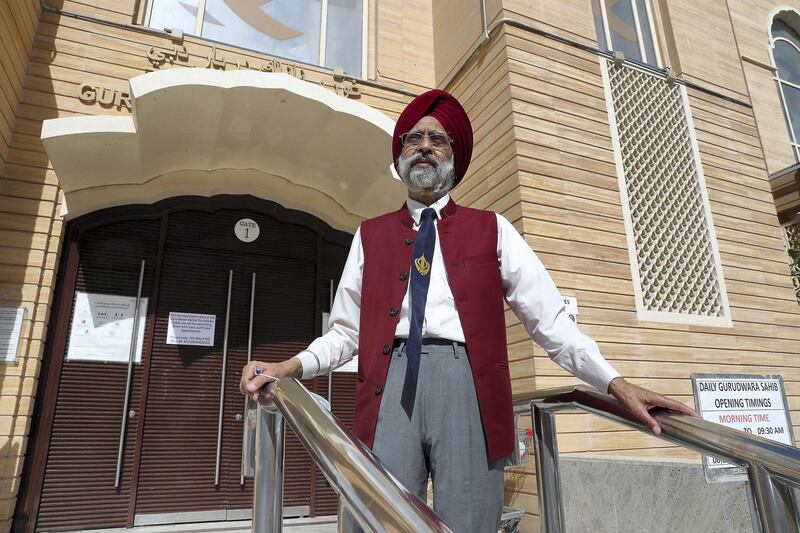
{"type": "Point", "coordinates": [10, 470]}
{"type": "Point", "coordinates": [30, 240]}
{"type": "Point", "coordinates": [520, 493]}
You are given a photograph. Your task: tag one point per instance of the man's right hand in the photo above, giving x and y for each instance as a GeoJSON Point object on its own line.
{"type": "Point", "coordinates": [252, 383]}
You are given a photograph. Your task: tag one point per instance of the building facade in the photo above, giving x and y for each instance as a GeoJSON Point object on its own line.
{"type": "Point", "coordinates": [189, 175]}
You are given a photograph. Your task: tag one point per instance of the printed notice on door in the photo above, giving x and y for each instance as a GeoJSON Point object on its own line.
{"type": "Point", "coordinates": [753, 404]}
{"type": "Point", "coordinates": [102, 328]}
{"type": "Point", "coordinates": [191, 329]}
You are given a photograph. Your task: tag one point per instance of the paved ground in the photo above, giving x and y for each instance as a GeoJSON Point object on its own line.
{"type": "Point", "coordinates": [324, 524]}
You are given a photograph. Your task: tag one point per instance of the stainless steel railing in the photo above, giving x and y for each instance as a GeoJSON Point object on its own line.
{"type": "Point", "coordinates": [368, 492]}
{"type": "Point", "coordinates": [771, 467]}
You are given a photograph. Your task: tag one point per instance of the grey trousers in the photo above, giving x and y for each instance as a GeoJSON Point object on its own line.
{"type": "Point", "coordinates": [442, 438]}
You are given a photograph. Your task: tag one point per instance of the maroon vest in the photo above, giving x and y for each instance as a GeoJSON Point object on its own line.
{"type": "Point", "coordinates": [468, 239]}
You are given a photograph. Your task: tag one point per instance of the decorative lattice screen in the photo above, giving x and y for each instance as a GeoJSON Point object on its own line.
{"type": "Point", "coordinates": [792, 232]}
{"type": "Point", "coordinates": [669, 217]}
{"type": "Point", "coordinates": [792, 235]}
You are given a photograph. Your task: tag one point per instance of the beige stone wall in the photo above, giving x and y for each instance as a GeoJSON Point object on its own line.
{"type": "Point", "coordinates": [572, 18]}
{"type": "Point", "coordinates": [18, 21]}
{"type": "Point", "coordinates": [561, 171]}
{"type": "Point", "coordinates": [751, 24]}
{"type": "Point", "coordinates": [458, 29]}
{"type": "Point", "coordinates": [706, 45]}
{"type": "Point", "coordinates": [404, 43]}
{"type": "Point", "coordinates": [23, 241]}
{"type": "Point", "coordinates": [542, 158]}
{"type": "Point", "coordinates": [67, 53]}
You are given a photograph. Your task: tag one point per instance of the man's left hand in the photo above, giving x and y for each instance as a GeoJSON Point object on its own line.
{"type": "Point", "coordinates": [639, 401]}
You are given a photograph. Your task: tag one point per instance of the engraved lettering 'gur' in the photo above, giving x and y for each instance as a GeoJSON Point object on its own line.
{"type": "Point", "coordinates": [106, 97]}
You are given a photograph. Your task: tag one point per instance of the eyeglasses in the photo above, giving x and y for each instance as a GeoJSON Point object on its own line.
{"type": "Point", "coordinates": [439, 140]}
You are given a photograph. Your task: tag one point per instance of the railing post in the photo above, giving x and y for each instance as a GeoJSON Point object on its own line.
{"type": "Point", "coordinates": [377, 501]}
{"type": "Point", "coordinates": [268, 482]}
{"type": "Point", "coordinates": [341, 516]}
{"type": "Point", "coordinates": [774, 501]}
{"type": "Point", "coordinates": [548, 479]}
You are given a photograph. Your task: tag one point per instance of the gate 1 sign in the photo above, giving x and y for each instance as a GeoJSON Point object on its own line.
{"type": "Point", "coordinates": [247, 230]}
{"type": "Point", "coordinates": [753, 404]}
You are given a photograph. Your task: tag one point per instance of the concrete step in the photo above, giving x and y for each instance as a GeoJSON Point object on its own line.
{"type": "Point", "coordinates": [320, 524]}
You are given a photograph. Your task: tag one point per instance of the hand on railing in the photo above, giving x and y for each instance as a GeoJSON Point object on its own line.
{"type": "Point", "coordinates": [256, 374]}
{"type": "Point", "coordinates": [639, 401]}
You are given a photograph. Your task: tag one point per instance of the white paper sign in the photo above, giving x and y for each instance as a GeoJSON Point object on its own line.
{"type": "Point", "coordinates": [102, 328]}
{"type": "Point", "coordinates": [191, 329]}
{"type": "Point", "coordinates": [752, 404]}
{"type": "Point", "coordinates": [10, 328]}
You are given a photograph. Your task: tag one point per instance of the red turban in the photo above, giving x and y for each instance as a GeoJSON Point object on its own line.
{"type": "Point", "coordinates": [442, 106]}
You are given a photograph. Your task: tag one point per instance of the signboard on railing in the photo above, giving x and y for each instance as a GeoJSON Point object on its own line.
{"type": "Point", "coordinates": [753, 404]}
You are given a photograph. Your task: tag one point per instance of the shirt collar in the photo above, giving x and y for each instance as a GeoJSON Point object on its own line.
{"type": "Point", "coordinates": [415, 208]}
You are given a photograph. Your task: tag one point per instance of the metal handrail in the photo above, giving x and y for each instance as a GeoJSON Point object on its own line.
{"type": "Point", "coordinates": [376, 500]}
{"type": "Point", "coordinates": [771, 466]}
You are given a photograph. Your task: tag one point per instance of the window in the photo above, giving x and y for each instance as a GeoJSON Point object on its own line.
{"type": "Point", "coordinates": [329, 33]}
{"type": "Point", "coordinates": [675, 263]}
{"type": "Point", "coordinates": [626, 26]}
{"type": "Point", "coordinates": [786, 56]}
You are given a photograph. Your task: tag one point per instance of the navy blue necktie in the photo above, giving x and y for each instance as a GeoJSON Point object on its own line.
{"type": "Point", "coordinates": [420, 281]}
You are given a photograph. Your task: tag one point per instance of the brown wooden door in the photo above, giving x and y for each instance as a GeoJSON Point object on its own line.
{"type": "Point", "coordinates": [78, 487]}
{"type": "Point", "coordinates": [285, 290]}
{"type": "Point", "coordinates": [179, 450]}
{"type": "Point", "coordinates": [170, 453]}
{"type": "Point", "coordinates": [178, 466]}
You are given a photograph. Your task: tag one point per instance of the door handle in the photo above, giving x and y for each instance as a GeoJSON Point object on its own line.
{"type": "Point", "coordinates": [249, 357]}
{"type": "Point", "coordinates": [222, 381]}
{"type": "Point", "coordinates": [131, 357]}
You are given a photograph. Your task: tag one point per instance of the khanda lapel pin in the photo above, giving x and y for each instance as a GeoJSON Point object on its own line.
{"type": "Point", "coordinates": [423, 266]}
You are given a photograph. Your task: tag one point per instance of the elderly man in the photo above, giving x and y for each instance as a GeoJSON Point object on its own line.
{"type": "Point", "coordinates": [421, 301]}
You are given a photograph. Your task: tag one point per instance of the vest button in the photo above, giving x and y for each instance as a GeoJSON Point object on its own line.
{"type": "Point", "coordinates": [386, 349]}
{"type": "Point", "coordinates": [403, 276]}
{"type": "Point", "coordinates": [378, 390]}
{"type": "Point", "coordinates": [409, 241]}
{"type": "Point", "coordinates": [394, 311]}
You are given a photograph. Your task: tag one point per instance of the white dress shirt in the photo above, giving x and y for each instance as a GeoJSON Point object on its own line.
{"type": "Point", "coordinates": [528, 288]}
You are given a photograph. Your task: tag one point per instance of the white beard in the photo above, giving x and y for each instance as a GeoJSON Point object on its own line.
{"type": "Point", "coordinates": [439, 177]}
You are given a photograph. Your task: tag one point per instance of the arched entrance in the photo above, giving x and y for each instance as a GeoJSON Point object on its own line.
{"type": "Point", "coordinates": [208, 297]}
{"type": "Point", "coordinates": [147, 186]}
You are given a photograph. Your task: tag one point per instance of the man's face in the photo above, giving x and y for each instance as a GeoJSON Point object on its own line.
{"type": "Point", "coordinates": [426, 159]}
